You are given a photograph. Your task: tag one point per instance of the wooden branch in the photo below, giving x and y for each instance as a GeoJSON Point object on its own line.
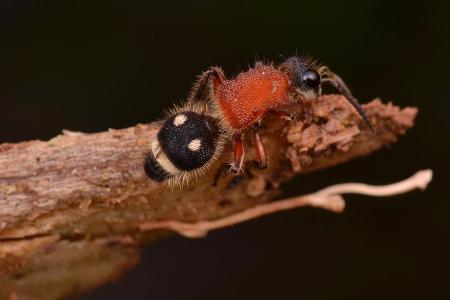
{"type": "Point", "coordinates": [329, 198]}
{"type": "Point", "coordinates": [71, 208]}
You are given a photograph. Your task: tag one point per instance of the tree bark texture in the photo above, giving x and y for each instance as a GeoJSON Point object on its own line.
{"type": "Point", "coordinates": [71, 207]}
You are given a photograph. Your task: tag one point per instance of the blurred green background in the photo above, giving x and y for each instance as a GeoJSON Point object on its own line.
{"type": "Point", "coordinates": [93, 65]}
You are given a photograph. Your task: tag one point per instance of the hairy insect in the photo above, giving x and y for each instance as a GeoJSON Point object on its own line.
{"type": "Point", "coordinates": [218, 109]}
{"type": "Point", "coordinates": [188, 141]}
{"type": "Point", "coordinates": [241, 102]}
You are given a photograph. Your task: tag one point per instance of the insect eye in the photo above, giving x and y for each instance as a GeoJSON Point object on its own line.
{"type": "Point", "coordinates": [311, 79]}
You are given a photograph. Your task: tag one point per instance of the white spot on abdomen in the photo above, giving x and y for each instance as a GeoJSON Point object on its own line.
{"type": "Point", "coordinates": [195, 145]}
{"type": "Point", "coordinates": [179, 120]}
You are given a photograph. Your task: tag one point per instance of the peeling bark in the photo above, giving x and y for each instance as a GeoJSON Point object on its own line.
{"type": "Point", "coordinates": [71, 207]}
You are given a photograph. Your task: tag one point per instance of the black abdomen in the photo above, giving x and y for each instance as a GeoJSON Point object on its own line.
{"type": "Point", "coordinates": [189, 140]}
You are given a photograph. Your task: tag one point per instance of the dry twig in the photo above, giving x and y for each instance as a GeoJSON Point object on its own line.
{"type": "Point", "coordinates": [70, 208]}
{"type": "Point", "coordinates": [329, 198]}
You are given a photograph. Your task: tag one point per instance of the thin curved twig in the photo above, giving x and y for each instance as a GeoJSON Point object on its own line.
{"type": "Point", "coordinates": [329, 198]}
{"type": "Point", "coordinates": [419, 180]}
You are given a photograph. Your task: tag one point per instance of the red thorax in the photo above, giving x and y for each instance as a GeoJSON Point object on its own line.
{"type": "Point", "coordinates": [246, 98]}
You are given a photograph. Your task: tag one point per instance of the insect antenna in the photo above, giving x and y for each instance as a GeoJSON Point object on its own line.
{"type": "Point", "coordinates": [329, 77]}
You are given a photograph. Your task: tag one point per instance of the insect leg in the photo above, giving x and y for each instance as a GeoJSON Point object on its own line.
{"type": "Point", "coordinates": [203, 86]}
{"type": "Point", "coordinates": [259, 147]}
{"type": "Point", "coordinates": [238, 153]}
{"type": "Point", "coordinates": [336, 81]}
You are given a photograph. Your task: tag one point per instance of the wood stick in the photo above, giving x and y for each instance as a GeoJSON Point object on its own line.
{"type": "Point", "coordinates": [71, 208]}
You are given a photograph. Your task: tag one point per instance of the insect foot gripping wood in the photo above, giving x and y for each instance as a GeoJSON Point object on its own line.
{"type": "Point", "coordinates": [220, 109]}
{"type": "Point", "coordinates": [71, 208]}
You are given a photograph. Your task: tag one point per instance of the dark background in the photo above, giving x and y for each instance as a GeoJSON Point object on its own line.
{"type": "Point", "coordinates": [92, 65]}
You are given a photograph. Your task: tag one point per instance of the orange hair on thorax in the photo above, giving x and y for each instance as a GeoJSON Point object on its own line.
{"type": "Point", "coordinates": [244, 99]}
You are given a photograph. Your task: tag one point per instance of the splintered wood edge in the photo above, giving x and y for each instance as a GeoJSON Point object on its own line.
{"type": "Point", "coordinates": [81, 189]}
